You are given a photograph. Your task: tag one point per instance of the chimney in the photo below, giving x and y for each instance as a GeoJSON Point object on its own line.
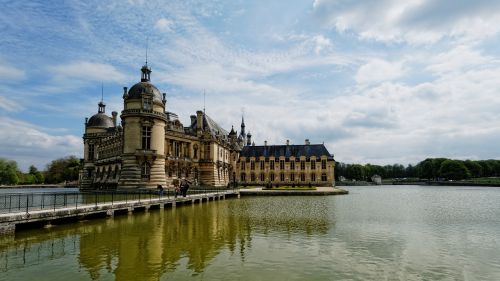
{"type": "Point", "coordinates": [308, 142]}
{"type": "Point", "coordinates": [193, 119]}
{"type": "Point", "coordinates": [114, 114]}
{"type": "Point", "coordinates": [249, 139]}
{"type": "Point", "coordinates": [287, 142]}
{"type": "Point", "coordinates": [199, 117]}
{"type": "Point", "coordinates": [125, 95]}
{"type": "Point", "coordinates": [265, 143]}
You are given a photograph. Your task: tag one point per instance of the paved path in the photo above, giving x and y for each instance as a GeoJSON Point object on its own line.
{"type": "Point", "coordinates": [320, 191]}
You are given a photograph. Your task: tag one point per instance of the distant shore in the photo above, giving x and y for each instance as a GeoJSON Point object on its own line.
{"type": "Point", "coordinates": [435, 183]}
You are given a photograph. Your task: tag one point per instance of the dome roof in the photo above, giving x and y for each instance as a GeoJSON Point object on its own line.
{"type": "Point", "coordinates": [100, 120]}
{"type": "Point", "coordinates": [145, 87]}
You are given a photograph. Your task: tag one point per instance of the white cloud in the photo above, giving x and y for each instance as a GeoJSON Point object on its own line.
{"type": "Point", "coordinates": [10, 105]}
{"type": "Point", "coordinates": [413, 21]}
{"type": "Point", "coordinates": [164, 25]}
{"type": "Point", "coordinates": [9, 72]}
{"type": "Point", "coordinates": [30, 145]}
{"type": "Point", "coordinates": [88, 71]}
{"type": "Point", "coordinates": [377, 70]}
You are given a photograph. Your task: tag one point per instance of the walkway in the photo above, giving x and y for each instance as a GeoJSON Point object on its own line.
{"type": "Point", "coordinates": [9, 221]}
{"type": "Point", "coordinates": [320, 191]}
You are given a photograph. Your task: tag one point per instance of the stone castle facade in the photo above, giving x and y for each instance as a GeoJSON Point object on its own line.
{"type": "Point", "coordinates": [152, 147]}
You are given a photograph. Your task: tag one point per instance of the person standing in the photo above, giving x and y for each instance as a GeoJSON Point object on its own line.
{"type": "Point", "coordinates": [160, 189]}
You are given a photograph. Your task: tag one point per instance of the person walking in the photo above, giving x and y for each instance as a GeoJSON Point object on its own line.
{"type": "Point", "coordinates": [160, 189]}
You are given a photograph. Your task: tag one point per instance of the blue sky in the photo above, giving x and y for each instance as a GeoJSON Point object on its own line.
{"type": "Point", "coordinates": [378, 82]}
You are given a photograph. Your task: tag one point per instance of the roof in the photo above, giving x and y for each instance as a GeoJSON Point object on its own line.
{"type": "Point", "coordinates": [100, 120]}
{"type": "Point", "coordinates": [306, 150]}
{"type": "Point", "coordinates": [140, 88]}
{"type": "Point", "coordinates": [211, 125]}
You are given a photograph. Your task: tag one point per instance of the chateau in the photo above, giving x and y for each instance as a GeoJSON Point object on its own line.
{"type": "Point", "coordinates": [152, 147]}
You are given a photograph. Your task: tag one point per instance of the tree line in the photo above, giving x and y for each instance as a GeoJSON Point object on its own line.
{"type": "Point", "coordinates": [57, 171]}
{"type": "Point", "coordinates": [429, 169]}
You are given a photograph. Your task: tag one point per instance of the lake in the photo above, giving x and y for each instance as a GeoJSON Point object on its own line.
{"type": "Point", "coordinates": [374, 233]}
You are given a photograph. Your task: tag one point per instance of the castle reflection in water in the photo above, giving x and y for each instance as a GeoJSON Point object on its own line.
{"type": "Point", "coordinates": [150, 245]}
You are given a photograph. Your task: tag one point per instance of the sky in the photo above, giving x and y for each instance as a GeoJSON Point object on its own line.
{"type": "Point", "coordinates": [378, 82]}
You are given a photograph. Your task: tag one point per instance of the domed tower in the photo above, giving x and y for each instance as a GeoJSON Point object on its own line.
{"type": "Point", "coordinates": [95, 128]}
{"type": "Point", "coordinates": [144, 119]}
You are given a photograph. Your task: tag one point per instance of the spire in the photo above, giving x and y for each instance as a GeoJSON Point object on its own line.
{"type": "Point", "coordinates": [101, 105]}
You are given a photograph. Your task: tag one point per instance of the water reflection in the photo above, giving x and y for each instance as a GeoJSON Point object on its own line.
{"type": "Point", "coordinates": [149, 245]}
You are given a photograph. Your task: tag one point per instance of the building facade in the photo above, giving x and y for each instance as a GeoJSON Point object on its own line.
{"type": "Point", "coordinates": [286, 165]}
{"type": "Point", "coordinates": [151, 147]}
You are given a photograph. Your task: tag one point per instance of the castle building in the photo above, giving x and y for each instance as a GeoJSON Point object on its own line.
{"type": "Point", "coordinates": [286, 165]}
{"type": "Point", "coordinates": [152, 147]}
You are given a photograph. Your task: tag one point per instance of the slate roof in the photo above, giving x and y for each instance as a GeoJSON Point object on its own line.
{"type": "Point", "coordinates": [211, 125]}
{"type": "Point", "coordinates": [306, 150]}
{"type": "Point", "coordinates": [100, 120]}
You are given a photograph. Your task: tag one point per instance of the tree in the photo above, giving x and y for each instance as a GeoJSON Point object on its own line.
{"type": "Point", "coordinates": [475, 169]}
{"type": "Point", "coordinates": [63, 169]}
{"type": "Point", "coordinates": [8, 172]}
{"type": "Point", "coordinates": [37, 175]}
{"type": "Point", "coordinates": [453, 170]}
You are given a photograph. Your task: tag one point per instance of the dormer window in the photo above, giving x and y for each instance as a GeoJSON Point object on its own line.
{"type": "Point", "coordinates": [147, 103]}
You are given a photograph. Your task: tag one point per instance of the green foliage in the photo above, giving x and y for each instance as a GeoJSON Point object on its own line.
{"type": "Point", "coordinates": [453, 170]}
{"type": "Point", "coordinates": [8, 172]}
{"type": "Point", "coordinates": [63, 169]}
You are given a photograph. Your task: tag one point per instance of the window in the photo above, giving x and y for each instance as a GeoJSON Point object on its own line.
{"type": "Point", "coordinates": [282, 177]}
{"type": "Point", "coordinates": [313, 177]}
{"type": "Point", "coordinates": [146, 137]}
{"type": "Point", "coordinates": [323, 164]}
{"type": "Point", "coordinates": [262, 177]}
{"type": "Point", "coordinates": [252, 177]}
{"type": "Point", "coordinates": [282, 164]}
{"type": "Point", "coordinates": [195, 148]}
{"type": "Point", "coordinates": [313, 164]}
{"type": "Point", "coordinates": [145, 171]}
{"type": "Point", "coordinates": [252, 165]}
{"type": "Point", "coordinates": [323, 177]}
{"type": "Point", "coordinates": [302, 177]}
{"type": "Point", "coordinates": [271, 165]}
{"type": "Point", "coordinates": [91, 152]}
{"type": "Point", "coordinates": [262, 164]}
{"type": "Point", "coordinates": [292, 165]}
{"type": "Point", "coordinates": [207, 151]}
{"type": "Point", "coordinates": [272, 177]}
{"type": "Point", "coordinates": [147, 103]}
{"type": "Point", "coordinates": [302, 165]}
{"type": "Point", "coordinates": [243, 177]}
{"type": "Point", "coordinates": [292, 177]}
{"type": "Point", "coordinates": [243, 165]}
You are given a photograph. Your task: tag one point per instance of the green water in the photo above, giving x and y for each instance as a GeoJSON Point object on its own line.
{"type": "Point", "coordinates": [374, 233]}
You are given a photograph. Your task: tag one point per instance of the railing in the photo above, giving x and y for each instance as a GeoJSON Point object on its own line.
{"type": "Point", "coordinates": [30, 202]}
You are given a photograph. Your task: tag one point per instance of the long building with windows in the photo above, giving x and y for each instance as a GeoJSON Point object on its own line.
{"type": "Point", "coordinates": [286, 165]}
{"type": "Point", "coordinates": [151, 147]}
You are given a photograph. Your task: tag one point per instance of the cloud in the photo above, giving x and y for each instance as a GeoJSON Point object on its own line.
{"type": "Point", "coordinates": [30, 145]}
{"type": "Point", "coordinates": [164, 25]}
{"type": "Point", "coordinates": [10, 105]}
{"type": "Point", "coordinates": [88, 71]}
{"type": "Point", "coordinates": [412, 21]}
{"type": "Point", "coordinates": [9, 72]}
{"type": "Point", "coordinates": [377, 70]}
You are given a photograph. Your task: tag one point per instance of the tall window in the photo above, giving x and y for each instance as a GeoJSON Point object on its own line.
{"type": "Point", "coordinates": [252, 165]}
{"type": "Point", "coordinates": [146, 137]}
{"type": "Point", "coordinates": [262, 177]}
{"type": "Point", "coordinates": [282, 164]}
{"type": "Point", "coordinates": [313, 164]}
{"type": "Point", "coordinates": [313, 177]}
{"type": "Point", "coordinates": [91, 152]}
{"type": "Point", "coordinates": [243, 165]}
{"type": "Point", "coordinates": [207, 151]}
{"type": "Point", "coordinates": [271, 165]}
{"type": "Point", "coordinates": [302, 165]}
{"type": "Point", "coordinates": [323, 164]}
{"type": "Point", "coordinates": [323, 177]}
{"type": "Point", "coordinates": [302, 177]}
{"type": "Point", "coordinates": [243, 177]}
{"type": "Point", "coordinates": [262, 164]}
{"type": "Point", "coordinates": [272, 177]}
{"type": "Point", "coordinates": [252, 177]}
{"type": "Point", "coordinates": [145, 170]}
{"type": "Point", "coordinates": [292, 177]}
{"type": "Point", "coordinates": [282, 177]}
{"type": "Point", "coordinates": [292, 165]}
